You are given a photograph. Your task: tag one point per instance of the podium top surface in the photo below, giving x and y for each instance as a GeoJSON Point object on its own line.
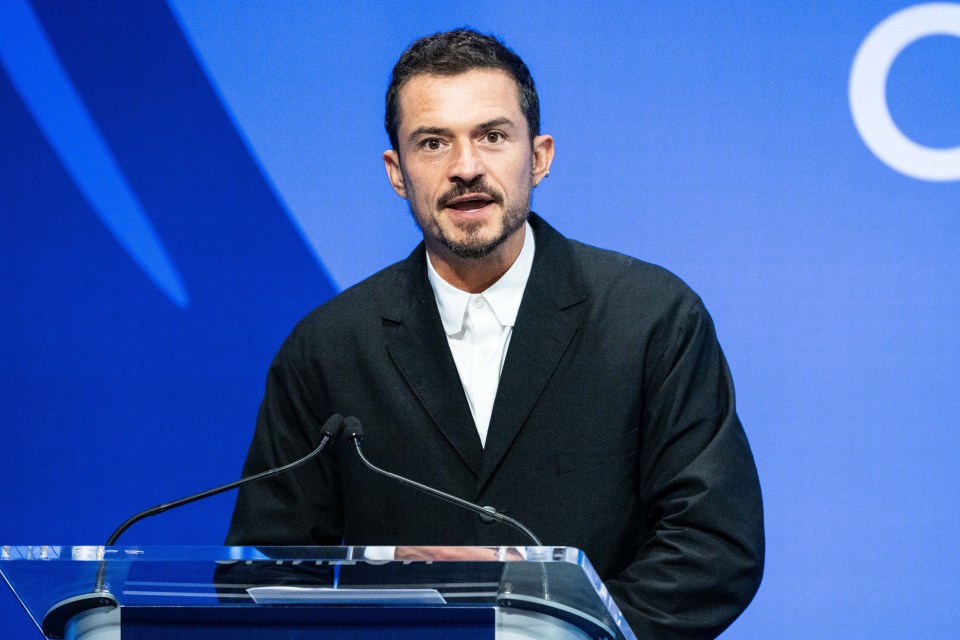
{"type": "Point", "coordinates": [556, 580]}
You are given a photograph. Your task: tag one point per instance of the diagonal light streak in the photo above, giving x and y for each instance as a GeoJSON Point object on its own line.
{"type": "Point", "coordinates": [59, 111]}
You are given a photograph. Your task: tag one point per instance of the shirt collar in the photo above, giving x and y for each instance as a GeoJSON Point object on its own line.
{"type": "Point", "coordinates": [503, 296]}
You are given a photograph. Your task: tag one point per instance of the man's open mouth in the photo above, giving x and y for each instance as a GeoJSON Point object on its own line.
{"type": "Point", "coordinates": [468, 202]}
{"type": "Point", "coordinates": [471, 204]}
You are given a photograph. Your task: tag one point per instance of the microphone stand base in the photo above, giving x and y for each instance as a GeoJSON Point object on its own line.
{"type": "Point", "coordinates": [89, 616]}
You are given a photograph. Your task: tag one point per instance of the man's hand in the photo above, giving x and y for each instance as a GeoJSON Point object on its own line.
{"type": "Point", "coordinates": [485, 554]}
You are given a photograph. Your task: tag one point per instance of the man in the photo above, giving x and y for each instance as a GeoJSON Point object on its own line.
{"type": "Point", "coordinates": [578, 390]}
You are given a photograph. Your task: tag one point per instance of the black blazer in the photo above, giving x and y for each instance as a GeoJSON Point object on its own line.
{"type": "Point", "coordinates": [614, 430]}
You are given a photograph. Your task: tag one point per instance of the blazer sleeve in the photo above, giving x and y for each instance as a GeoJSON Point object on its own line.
{"type": "Point", "coordinates": [301, 506]}
{"type": "Point", "coordinates": [702, 560]}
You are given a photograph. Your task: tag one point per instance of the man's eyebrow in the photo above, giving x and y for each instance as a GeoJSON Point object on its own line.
{"type": "Point", "coordinates": [496, 122]}
{"type": "Point", "coordinates": [429, 131]}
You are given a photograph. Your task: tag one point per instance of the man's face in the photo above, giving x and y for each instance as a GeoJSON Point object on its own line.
{"type": "Point", "coordinates": [465, 162]}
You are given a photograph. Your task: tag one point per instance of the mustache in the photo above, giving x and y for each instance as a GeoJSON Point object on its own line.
{"type": "Point", "coordinates": [466, 188]}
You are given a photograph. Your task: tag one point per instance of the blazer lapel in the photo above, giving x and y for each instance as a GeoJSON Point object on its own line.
{"type": "Point", "coordinates": [417, 343]}
{"type": "Point", "coordinates": [546, 323]}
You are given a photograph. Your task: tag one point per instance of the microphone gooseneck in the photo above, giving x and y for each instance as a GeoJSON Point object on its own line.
{"type": "Point", "coordinates": [329, 431]}
{"type": "Point", "coordinates": [354, 431]}
{"type": "Point", "coordinates": [55, 620]}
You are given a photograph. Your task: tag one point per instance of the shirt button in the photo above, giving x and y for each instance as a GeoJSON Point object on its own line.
{"type": "Point", "coordinates": [479, 302]}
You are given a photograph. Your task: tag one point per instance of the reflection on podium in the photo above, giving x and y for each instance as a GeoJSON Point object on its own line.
{"type": "Point", "coordinates": [162, 593]}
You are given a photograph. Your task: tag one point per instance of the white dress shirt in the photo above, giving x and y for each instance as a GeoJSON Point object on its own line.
{"type": "Point", "coordinates": [478, 328]}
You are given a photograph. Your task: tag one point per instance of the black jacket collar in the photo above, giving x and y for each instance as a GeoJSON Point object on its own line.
{"type": "Point", "coordinates": [544, 329]}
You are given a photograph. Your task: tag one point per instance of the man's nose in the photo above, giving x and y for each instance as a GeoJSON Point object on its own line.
{"type": "Point", "coordinates": [466, 165]}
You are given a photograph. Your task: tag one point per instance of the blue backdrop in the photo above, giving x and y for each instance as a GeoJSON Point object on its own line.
{"type": "Point", "coordinates": [180, 182]}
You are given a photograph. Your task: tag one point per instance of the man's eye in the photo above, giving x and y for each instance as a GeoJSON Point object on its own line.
{"type": "Point", "coordinates": [431, 144]}
{"type": "Point", "coordinates": [495, 136]}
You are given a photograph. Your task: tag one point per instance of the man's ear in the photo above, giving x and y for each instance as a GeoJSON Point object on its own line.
{"type": "Point", "coordinates": [542, 157]}
{"type": "Point", "coordinates": [391, 160]}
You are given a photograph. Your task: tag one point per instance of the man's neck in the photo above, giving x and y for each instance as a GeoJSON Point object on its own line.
{"type": "Point", "coordinates": [475, 275]}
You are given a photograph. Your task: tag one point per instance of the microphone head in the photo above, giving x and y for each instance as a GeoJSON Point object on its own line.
{"type": "Point", "coordinates": [353, 429]}
{"type": "Point", "coordinates": [331, 428]}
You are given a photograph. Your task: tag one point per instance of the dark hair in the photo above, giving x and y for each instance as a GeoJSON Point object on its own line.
{"type": "Point", "coordinates": [452, 53]}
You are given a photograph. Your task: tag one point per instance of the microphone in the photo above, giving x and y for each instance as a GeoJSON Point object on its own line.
{"type": "Point", "coordinates": [354, 430]}
{"type": "Point", "coordinates": [55, 620]}
{"type": "Point", "coordinates": [328, 431]}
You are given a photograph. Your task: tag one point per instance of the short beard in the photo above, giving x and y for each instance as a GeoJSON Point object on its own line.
{"type": "Point", "coordinates": [473, 248]}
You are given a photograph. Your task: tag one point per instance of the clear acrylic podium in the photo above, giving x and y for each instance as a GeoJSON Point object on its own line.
{"type": "Point", "coordinates": [240, 593]}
